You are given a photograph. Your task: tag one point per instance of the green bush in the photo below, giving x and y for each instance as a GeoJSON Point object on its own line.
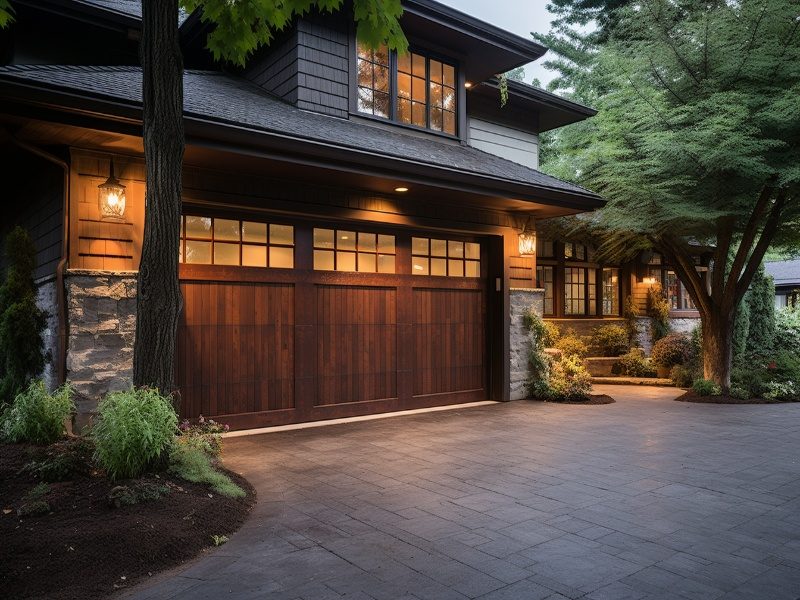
{"type": "Point", "coordinates": [633, 364]}
{"type": "Point", "coordinates": [134, 430]}
{"type": "Point", "coordinates": [37, 416]}
{"type": "Point", "coordinates": [658, 311]}
{"type": "Point", "coordinates": [569, 379]}
{"type": "Point", "coordinates": [787, 328]}
{"type": "Point", "coordinates": [551, 334]}
{"type": "Point", "coordinates": [673, 349]}
{"type": "Point", "coordinates": [740, 393]}
{"type": "Point", "coordinates": [741, 329]}
{"type": "Point", "coordinates": [194, 465]}
{"type": "Point", "coordinates": [631, 314]}
{"type": "Point", "coordinates": [609, 340]}
{"type": "Point", "coordinates": [704, 387]}
{"type": "Point", "coordinates": [682, 376]}
{"type": "Point", "coordinates": [22, 356]}
{"type": "Point", "coordinates": [204, 434]}
{"type": "Point", "coordinates": [761, 304]}
{"type": "Point", "coordinates": [571, 345]}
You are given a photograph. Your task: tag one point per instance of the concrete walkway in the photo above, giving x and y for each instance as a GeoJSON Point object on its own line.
{"type": "Point", "coordinates": [645, 498]}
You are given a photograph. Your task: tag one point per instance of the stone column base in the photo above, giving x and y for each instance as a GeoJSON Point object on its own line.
{"type": "Point", "coordinates": [521, 300]}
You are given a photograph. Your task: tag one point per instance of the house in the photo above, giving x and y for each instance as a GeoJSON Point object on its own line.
{"type": "Point", "coordinates": [357, 226]}
{"type": "Point", "coordinates": [786, 275]}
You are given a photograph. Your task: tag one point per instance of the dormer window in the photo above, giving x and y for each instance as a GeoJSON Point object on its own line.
{"type": "Point", "coordinates": [413, 89]}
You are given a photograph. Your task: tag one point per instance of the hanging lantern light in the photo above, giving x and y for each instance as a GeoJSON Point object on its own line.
{"type": "Point", "coordinates": [111, 196]}
{"type": "Point", "coordinates": [527, 240]}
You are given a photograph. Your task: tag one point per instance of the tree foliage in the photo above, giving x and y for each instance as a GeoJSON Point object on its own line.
{"type": "Point", "coordinates": [696, 140]}
{"type": "Point", "coordinates": [22, 322]}
{"type": "Point", "coordinates": [761, 305]}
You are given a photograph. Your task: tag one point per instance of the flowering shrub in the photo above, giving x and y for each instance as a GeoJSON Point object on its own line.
{"type": "Point", "coordinates": [673, 349]}
{"type": "Point", "coordinates": [786, 390]}
{"type": "Point", "coordinates": [609, 340]}
{"type": "Point", "coordinates": [569, 379]}
{"type": "Point", "coordinates": [204, 434]}
{"type": "Point", "coordinates": [571, 345]}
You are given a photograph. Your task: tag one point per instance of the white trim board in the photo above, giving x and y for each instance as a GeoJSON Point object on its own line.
{"type": "Point", "coordinates": [399, 413]}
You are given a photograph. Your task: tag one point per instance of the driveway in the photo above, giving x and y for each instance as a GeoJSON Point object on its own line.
{"type": "Point", "coordinates": [645, 498]}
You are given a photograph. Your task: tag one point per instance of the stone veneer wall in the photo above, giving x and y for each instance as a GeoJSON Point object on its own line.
{"type": "Point", "coordinates": [521, 300]}
{"type": "Point", "coordinates": [47, 300]}
{"type": "Point", "coordinates": [102, 325]}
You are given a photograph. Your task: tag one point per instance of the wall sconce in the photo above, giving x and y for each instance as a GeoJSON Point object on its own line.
{"type": "Point", "coordinates": [111, 197]}
{"type": "Point", "coordinates": [527, 240]}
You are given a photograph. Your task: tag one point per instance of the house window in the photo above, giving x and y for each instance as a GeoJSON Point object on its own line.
{"type": "Point", "coordinates": [573, 251]}
{"type": "Point", "coordinates": [610, 292]}
{"type": "Point", "coordinates": [545, 248]}
{"type": "Point", "coordinates": [580, 291]}
{"type": "Point", "coordinates": [373, 81]}
{"type": "Point", "coordinates": [544, 279]}
{"type": "Point", "coordinates": [362, 252]}
{"type": "Point", "coordinates": [425, 88]}
{"type": "Point", "coordinates": [446, 258]}
{"type": "Point", "coordinates": [234, 242]}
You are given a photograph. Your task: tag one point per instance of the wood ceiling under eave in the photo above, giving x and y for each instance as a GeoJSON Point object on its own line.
{"type": "Point", "coordinates": [48, 134]}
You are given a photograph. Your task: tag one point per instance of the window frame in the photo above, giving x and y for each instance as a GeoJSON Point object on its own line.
{"type": "Point", "coordinates": [460, 91]}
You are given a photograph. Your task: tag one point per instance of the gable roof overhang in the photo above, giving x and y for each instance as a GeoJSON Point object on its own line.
{"type": "Point", "coordinates": [543, 195]}
{"type": "Point", "coordinates": [119, 15]}
{"type": "Point", "coordinates": [488, 49]}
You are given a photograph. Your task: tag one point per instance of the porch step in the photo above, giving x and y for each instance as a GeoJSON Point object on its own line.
{"type": "Point", "coordinates": [633, 381]}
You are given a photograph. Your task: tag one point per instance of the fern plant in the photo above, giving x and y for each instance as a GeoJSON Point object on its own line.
{"type": "Point", "coordinates": [37, 416]}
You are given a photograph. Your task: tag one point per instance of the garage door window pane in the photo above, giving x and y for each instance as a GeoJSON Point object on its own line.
{"type": "Point", "coordinates": [472, 250]}
{"type": "Point", "coordinates": [456, 268]}
{"type": "Point", "coordinates": [254, 256]}
{"type": "Point", "coordinates": [282, 235]}
{"type": "Point", "coordinates": [386, 263]}
{"type": "Point", "coordinates": [323, 238]}
{"type": "Point", "coordinates": [419, 246]}
{"type": "Point", "coordinates": [198, 227]}
{"type": "Point", "coordinates": [419, 266]}
{"type": "Point", "coordinates": [345, 261]}
{"type": "Point", "coordinates": [386, 244]}
{"type": "Point", "coordinates": [438, 266]}
{"type": "Point", "coordinates": [226, 230]}
{"type": "Point", "coordinates": [367, 263]}
{"type": "Point", "coordinates": [254, 232]}
{"type": "Point", "coordinates": [472, 268]}
{"type": "Point", "coordinates": [438, 248]}
{"type": "Point", "coordinates": [367, 242]}
{"type": "Point", "coordinates": [198, 253]}
{"type": "Point", "coordinates": [226, 254]}
{"type": "Point", "coordinates": [345, 240]}
{"type": "Point", "coordinates": [281, 258]}
{"type": "Point", "coordinates": [455, 249]}
{"type": "Point", "coordinates": [323, 260]}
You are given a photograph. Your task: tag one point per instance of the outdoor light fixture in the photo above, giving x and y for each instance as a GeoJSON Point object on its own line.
{"type": "Point", "coordinates": [111, 195]}
{"type": "Point", "coordinates": [401, 189]}
{"type": "Point", "coordinates": [527, 240]}
{"type": "Point", "coordinates": [649, 280]}
{"type": "Point", "coordinates": [468, 84]}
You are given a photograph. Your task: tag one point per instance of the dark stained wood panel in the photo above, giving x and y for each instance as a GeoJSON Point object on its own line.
{"type": "Point", "coordinates": [356, 344]}
{"type": "Point", "coordinates": [235, 348]}
{"type": "Point", "coordinates": [449, 341]}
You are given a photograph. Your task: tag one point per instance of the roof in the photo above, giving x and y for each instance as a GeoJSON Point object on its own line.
{"type": "Point", "coordinates": [554, 111]}
{"type": "Point", "coordinates": [784, 272]}
{"type": "Point", "coordinates": [237, 103]}
{"type": "Point", "coordinates": [126, 10]}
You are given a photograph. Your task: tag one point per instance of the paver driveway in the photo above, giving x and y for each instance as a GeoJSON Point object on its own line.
{"type": "Point", "coordinates": [645, 498]}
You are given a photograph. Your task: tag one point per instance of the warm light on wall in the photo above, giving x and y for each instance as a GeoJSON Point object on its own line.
{"type": "Point", "coordinates": [111, 197]}
{"type": "Point", "coordinates": [649, 280]}
{"type": "Point", "coordinates": [527, 241]}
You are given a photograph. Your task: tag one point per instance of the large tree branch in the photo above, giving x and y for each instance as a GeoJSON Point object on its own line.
{"type": "Point", "coordinates": [724, 238]}
{"type": "Point", "coordinates": [748, 238]}
{"type": "Point", "coordinates": [685, 268]}
{"type": "Point", "coordinates": [770, 227]}
{"type": "Point", "coordinates": [749, 45]}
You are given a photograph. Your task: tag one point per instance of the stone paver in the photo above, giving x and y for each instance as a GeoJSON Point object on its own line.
{"type": "Point", "coordinates": [645, 498]}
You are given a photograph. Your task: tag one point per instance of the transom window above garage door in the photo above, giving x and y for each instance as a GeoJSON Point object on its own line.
{"type": "Point", "coordinates": [214, 241]}
{"type": "Point", "coordinates": [356, 251]}
{"type": "Point", "coordinates": [449, 258]}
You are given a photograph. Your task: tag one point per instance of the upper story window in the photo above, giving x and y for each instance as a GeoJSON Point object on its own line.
{"type": "Point", "coordinates": [413, 89]}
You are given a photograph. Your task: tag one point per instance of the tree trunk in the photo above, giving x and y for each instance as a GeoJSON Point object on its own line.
{"type": "Point", "coordinates": [718, 348]}
{"type": "Point", "coordinates": [159, 297]}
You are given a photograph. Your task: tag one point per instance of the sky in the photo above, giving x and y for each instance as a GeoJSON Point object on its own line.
{"type": "Point", "coordinates": [518, 16]}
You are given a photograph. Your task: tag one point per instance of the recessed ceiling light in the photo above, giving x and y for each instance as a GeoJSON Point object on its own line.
{"type": "Point", "coordinates": [401, 189]}
{"type": "Point", "coordinates": [467, 85]}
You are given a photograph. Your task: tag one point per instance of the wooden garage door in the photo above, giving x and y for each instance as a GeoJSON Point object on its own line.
{"type": "Point", "coordinates": [326, 329]}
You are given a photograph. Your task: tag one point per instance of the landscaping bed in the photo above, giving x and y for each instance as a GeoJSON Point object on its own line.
{"type": "Point", "coordinates": [591, 400]}
{"type": "Point", "coordinates": [75, 544]}
{"type": "Point", "coordinates": [692, 396]}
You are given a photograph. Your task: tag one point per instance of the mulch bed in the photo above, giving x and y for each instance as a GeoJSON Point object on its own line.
{"type": "Point", "coordinates": [691, 396]}
{"type": "Point", "coordinates": [83, 548]}
{"type": "Point", "coordinates": [594, 400]}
